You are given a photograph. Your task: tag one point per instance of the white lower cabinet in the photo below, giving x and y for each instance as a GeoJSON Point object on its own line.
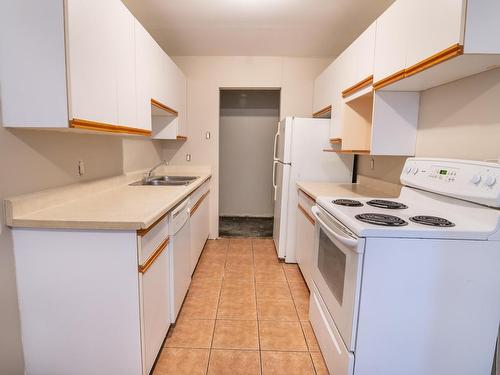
{"type": "Point", "coordinates": [155, 298]}
{"type": "Point", "coordinates": [305, 237]}
{"type": "Point", "coordinates": [90, 302]}
{"type": "Point", "coordinates": [199, 223]}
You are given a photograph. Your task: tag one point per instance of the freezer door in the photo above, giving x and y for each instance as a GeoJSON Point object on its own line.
{"type": "Point", "coordinates": [282, 175]}
{"type": "Point", "coordinates": [284, 141]}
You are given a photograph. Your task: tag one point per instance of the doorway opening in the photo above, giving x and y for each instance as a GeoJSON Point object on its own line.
{"type": "Point", "coordinates": [247, 126]}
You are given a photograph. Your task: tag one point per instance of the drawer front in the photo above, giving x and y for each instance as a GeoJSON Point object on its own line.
{"type": "Point", "coordinates": [198, 193]}
{"type": "Point", "coordinates": [150, 238]}
{"type": "Point", "coordinates": [305, 205]}
{"type": "Point", "coordinates": [338, 359]}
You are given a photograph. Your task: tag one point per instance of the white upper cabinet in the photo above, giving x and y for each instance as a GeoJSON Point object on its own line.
{"type": "Point", "coordinates": [424, 43]}
{"type": "Point", "coordinates": [101, 64]}
{"type": "Point", "coordinates": [161, 82]}
{"type": "Point", "coordinates": [144, 60]}
{"type": "Point", "coordinates": [358, 63]}
{"type": "Point", "coordinates": [390, 41]}
{"type": "Point", "coordinates": [433, 26]}
{"type": "Point", "coordinates": [322, 95]}
{"type": "Point", "coordinates": [33, 70]}
{"type": "Point", "coordinates": [85, 65]}
{"type": "Point", "coordinates": [364, 48]}
{"type": "Point", "coordinates": [124, 38]}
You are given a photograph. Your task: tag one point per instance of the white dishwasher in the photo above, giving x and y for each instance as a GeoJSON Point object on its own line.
{"type": "Point", "coordinates": [180, 271]}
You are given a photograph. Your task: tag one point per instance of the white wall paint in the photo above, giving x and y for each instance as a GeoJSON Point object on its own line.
{"type": "Point", "coordinates": [207, 74]}
{"type": "Point", "coordinates": [461, 119]}
{"type": "Point", "coordinates": [247, 128]}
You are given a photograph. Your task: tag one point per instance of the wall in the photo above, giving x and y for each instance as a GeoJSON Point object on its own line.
{"type": "Point", "coordinates": [32, 160]}
{"type": "Point", "coordinates": [248, 123]}
{"type": "Point", "coordinates": [460, 119]}
{"type": "Point", "coordinates": [207, 74]}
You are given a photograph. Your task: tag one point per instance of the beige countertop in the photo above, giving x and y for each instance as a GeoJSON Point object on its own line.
{"type": "Point", "coordinates": [103, 204]}
{"type": "Point", "coordinates": [364, 188]}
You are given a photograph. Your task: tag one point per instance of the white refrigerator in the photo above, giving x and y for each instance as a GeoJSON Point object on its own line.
{"type": "Point", "coordinates": [299, 156]}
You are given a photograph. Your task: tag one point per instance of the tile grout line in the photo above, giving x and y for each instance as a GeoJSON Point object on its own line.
{"type": "Point", "coordinates": [217, 310]}
{"type": "Point", "coordinates": [300, 322]}
{"type": "Point", "coordinates": [257, 312]}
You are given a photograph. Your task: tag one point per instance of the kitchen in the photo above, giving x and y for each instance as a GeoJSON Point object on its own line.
{"type": "Point", "coordinates": [440, 100]}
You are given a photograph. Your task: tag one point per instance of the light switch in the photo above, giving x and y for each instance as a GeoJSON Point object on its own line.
{"type": "Point", "coordinates": [207, 135]}
{"type": "Point", "coordinates": [188, 157]}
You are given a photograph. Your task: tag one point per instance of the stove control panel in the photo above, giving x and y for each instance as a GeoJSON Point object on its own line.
{"type": "Point", "coordinates": [470, 180]}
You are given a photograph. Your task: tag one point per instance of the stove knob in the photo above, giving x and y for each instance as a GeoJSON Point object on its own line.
{"type": "Point", "coordinates": [476, 179]}
{"type": "Point", "coordinates": [415, 170]}
{"type": "Point", "coordinates": [490, 181]}
{"type": "Point", "coordinates": [408, 170]}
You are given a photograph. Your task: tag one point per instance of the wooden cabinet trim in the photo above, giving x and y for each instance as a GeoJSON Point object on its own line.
{"type": "Point", "coordinates": [437, 58]}
{"type": "Point", "coordinates": [322, 112]}
{"type": "Point", "coordinates": [164, 107]}
{"type": "Point", "coordinates": [182, 138]}
{"type": "Point", "coordinates": [77, 123]}
{"type": "Point", "coordinates": [348, 152]}
{"type": "Point", "coordinates": [335, 141]}
{"type": "Point", "coordinates": [198, 203]}
{"type": "Point", "coordinates": [306, 214]}
{"type": "Point", "coordinates": [390, 79]}
{"type": "Point", "coordinates": [143, 232]}
{"type": "Point", "coordinates": [444, 55]}
{"type": "Point", "coordinates": [358, 86]}
{"type": "Point", "coordinates": [149, 262]}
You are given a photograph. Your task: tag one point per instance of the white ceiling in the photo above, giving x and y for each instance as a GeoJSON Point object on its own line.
{"type": "Point", "coordinates": [256, 27]}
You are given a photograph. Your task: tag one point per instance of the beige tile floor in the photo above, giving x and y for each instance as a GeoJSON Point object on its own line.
{"type": "Point", "coordinates": [245, 313]}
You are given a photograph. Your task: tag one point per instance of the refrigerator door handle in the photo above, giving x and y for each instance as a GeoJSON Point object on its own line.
{"type": "Point", "coordinates": [274, 178]}
{"type": "Point", "coordinates": [275, 157]}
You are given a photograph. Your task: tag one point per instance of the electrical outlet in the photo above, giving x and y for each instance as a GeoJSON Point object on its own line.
{"type": "Point", "coordinates": [81, 168]}
{"type": "Point", "coordinates": [188, 157]}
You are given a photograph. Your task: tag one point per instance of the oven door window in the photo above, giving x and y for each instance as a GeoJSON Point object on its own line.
{"type": "Point", "coordinates": [331, 264]}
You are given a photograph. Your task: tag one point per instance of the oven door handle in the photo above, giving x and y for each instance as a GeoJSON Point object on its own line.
{"type": "Point", "coordinates": [339, 235]}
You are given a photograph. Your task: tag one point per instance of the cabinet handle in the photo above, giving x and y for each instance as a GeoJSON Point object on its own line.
{"type": "Point", "coordinates": [149, 262]}
{"type": "Point", "coordinates": [198, 203]}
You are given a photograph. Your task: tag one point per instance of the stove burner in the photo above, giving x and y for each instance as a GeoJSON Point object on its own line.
{"type": "Point", "coordinates": [381, 219]}
{"type": "Point", "coordinates": [432, 221]}
{"type": "Point", "coordinates": [381, 203]}
{"type": "Point", "coordinates": [348, 202]}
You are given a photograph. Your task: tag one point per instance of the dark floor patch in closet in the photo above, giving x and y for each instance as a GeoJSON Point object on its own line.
{"type": "Point", "coordinates": [234, 226]}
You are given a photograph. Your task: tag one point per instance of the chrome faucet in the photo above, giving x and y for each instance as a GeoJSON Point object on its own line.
{"type": "Point", "coordinates": [151, 171]}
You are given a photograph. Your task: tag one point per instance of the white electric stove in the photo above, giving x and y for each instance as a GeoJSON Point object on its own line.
{"type": "Point", "coordinates": [411, 285]}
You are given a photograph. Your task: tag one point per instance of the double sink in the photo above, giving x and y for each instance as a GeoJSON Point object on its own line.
{"type": "Point", "coordinates": [165, 181]}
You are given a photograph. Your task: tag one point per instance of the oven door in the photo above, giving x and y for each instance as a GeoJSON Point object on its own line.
{"type": "Point", "coordinates": [337, 266]}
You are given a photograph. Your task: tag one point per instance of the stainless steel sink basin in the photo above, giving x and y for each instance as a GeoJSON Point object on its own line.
{"type": "Point", "coordinates": [166, 181]}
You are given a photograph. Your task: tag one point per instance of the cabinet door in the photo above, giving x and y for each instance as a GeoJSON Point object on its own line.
{"type": "Point", "coordinates": [349, 67]}
{"type": "Point", "coordinates": [175, 82]}
{"type": "Point", "coordinates": [391, 40]}
{"type": "Point", "coordinates": [305, 246]}
{"type": "Point", "coordinates": [155, 308]}
{"type": "Point", "coordinates": [144, 58]}
{"type": "Point", "coordinates": [199, 232]}
{"type": "Point", "coordinates": [91, 57]}
{"type": "Point", "coordinates": [365, 52]}
{"type": "Point", "coordinates": [124, 44]}
{"type": "Point", "coordinates": [433, 26]}
{"type": "Point", "coordinates": [323, 86]}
